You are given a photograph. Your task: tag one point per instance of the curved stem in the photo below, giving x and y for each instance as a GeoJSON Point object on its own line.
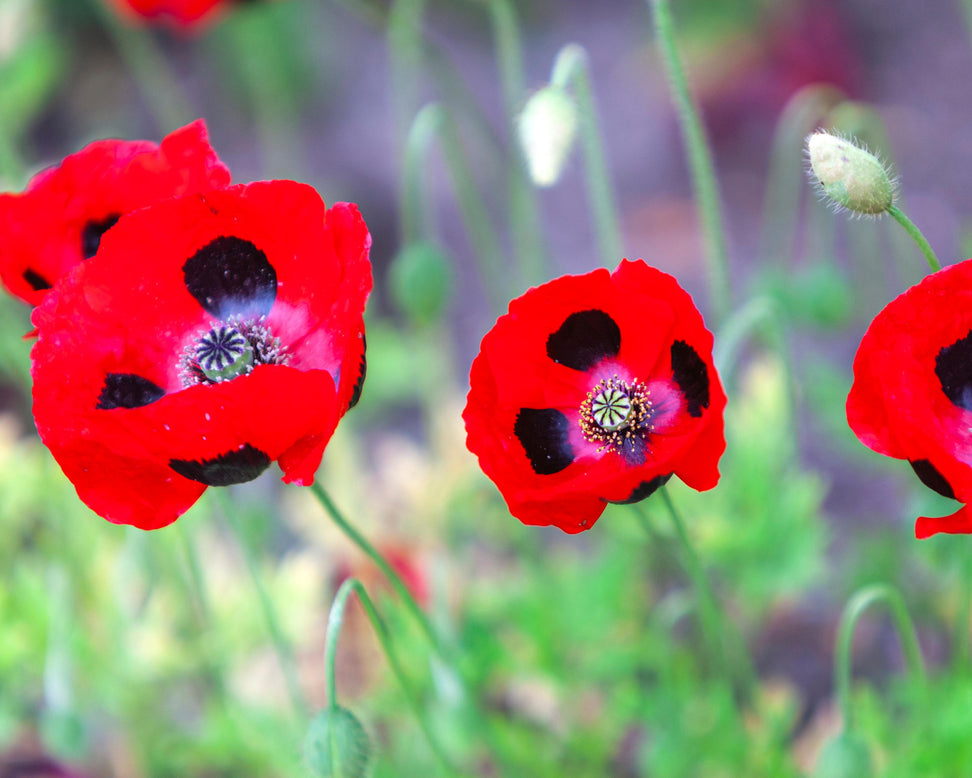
{"type": "Point", "coordinates": [853, 611]}
{"type": "Point", "coordinates": [334, 621]}
{"type": "Point", "coordinates": [572, 68]}
{"type": "Point", "coordinates": [434, 121]}
{"type": "Point", "coordinates": [524, 211]}
{"type": "Point", "coordinates": [148, 64]}
{"type": "Point", "coordinates": [282, 647]}
{"type": "Point", "coordinates": [784, 182]}
{"type": "Point", "coordinates": [393, 577]}
{"type": "Point", "coordinates": [700, 161]}
{"type": "Point", "coordinates": [404, 37]}
{"type": "Point", "coordinates": [761, 314]}
{"type": "Point", "coordinates": [732, 659]}
{"type": "Point", "coordinates": [909, 226]}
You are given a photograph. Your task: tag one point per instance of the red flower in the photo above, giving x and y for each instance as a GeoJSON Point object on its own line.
{"type": "Point", "coordinates": [595, 389]}
{"type": "Point", "coordinates": [59, 220]}
{"type": "Point", "coordinates": [213, 333]}
{"type": "Point", "coordinates": [182, 13]}
{"type": "Point", "coordinates": [912, 392]}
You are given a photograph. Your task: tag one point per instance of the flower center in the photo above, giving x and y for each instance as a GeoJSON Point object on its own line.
{"type": "Point", "coordinates": [230, 349]}
{"type": "Point", "coordinates": [615, 412]}
{"type": "Point", "coordinates": [223, 353]}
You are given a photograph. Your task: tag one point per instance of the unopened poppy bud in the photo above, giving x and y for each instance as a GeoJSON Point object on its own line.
{"type": "Point", "coordinates": [547, 129]}
{"type": "Point", "coordinates": [420, 282]}
{"type": "Point", "coordinates": [849, 175]}
{"type": "Point", "coordinates": [846, 756]}
{"type": "Point", "coordinates": [352, 749]}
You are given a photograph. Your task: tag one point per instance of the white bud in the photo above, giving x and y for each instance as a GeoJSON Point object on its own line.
{"type": "Point", "coordinates": [547, 128]}
{"type": "Point", "coordinates": [849, 175]}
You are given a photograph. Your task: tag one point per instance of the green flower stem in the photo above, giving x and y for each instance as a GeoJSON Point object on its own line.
{"type": "Point", "coordinates": [760, 315]}
{"type": "Point", "coordinates": [860, 602]}
{"type": "Point", "coordinates": [571, 69]}
{"type": "Point", "coordinates": [334, 621]}
{"type": "Point", "coordinates": [283, 649]}
{"type": "Point", "coordinates": [784, 182]}
{"type": "Point", "coordinates": [909, 226]}
{"type": "Point", "coordinates": [150, 69]}
{"type": "Point", "coordinates": [435, 121]}
{"type": "Point", "coordinates": [404, 34]}
{"type": "Point", "coordinates": [700, 162]}
{"type": "Point", "coordinates": [372, 553]}
{"type": "Point", "coordinates": [524, 210]}
{"type": "Point", "coordinates": [726, 649]}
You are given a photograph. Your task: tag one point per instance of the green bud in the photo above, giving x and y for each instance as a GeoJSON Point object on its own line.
{"type": "Point", "coordinates": [846, 756]}
{"type": "Point", "coordinates": [420, 282]}
{"type": "Point", "coordinates": [352, 749]}
{"type": "Point", "coordinates": [850, 176]}
{"type": "Point", "coordinates": [547, 128]}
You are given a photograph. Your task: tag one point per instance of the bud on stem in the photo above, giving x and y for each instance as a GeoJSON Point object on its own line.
{"type": "Point", "coordinates": [850, 176]}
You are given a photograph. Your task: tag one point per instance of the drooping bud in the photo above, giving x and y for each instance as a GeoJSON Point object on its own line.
{"type": "Point", "coordinates": [850, 176]}
{"type": "Point", "coordinates": [547, 128]}
{"type": "Point", "coordinates": [352, 748]}
{"type": "Point", "coordinates": [420, 282]}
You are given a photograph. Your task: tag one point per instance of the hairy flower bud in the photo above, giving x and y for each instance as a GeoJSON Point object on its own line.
{"type": "Point", "coordinates": [340, 730]}
{"type": "Point", "coordinates": [850, 176]}
{"type": "Point", "coordinates": [547, 129]}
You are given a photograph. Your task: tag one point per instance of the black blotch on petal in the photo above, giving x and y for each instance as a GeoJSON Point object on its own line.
{"type": "Point", "coordinates": [692, 376]}
{"type": "Point", "coordinates": [231, 276]}
{"type": "Point", "coordinates": [92, 232]}
{"type": "Point", "coordinates": [127, 390]}
{"type": "Point", "coordinates": [931, 477]}
{"type": "Point", "coordinates": [643, 490]}
{"type": "Point", "coordinates": [362, 370]}
{"type": "Point", "coordinates": [953, 366]}
{"type": "Point", "coordinates": [634, 450]}
{"type": "Point", "coordinates": [234, 467]}
{"type": "Point", "coordinates": [36, 280]}
{"type": "Point", "coordinates": [543, 432]}
{"type": "Point", "coordinates": [584, 339]}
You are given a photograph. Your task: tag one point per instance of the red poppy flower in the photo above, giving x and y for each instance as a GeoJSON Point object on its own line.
{"type": "Point", "coordinates": [211, 335]}
{"type": "Point", "coordinates": [183, 13]}
{"type": "Point", "coordinates": [595, 389]}
{"type": "Point", "coordinates": [912, 392]}
{"type": "Point", "coordinates": [60, 218]}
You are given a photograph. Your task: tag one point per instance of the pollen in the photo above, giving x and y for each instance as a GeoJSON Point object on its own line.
{"type": "Point", "coordinates": [616, 412]}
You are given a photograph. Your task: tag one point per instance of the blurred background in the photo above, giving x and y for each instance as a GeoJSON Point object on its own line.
{"type": "Point", "coordinates": [116, 660]}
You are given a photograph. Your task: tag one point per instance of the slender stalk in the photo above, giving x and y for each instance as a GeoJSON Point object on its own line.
{"type": "Point", "coordinates": [334, 622]}
{"type": "Point", "coordinates": [524, 210]}
{"type": "Point", "coordinates": [282, 647]}
{"type": "Point", "coordinates": [435, 121]}
{"type": "Point", "coordinates": [860, 602]}
{"type": "Point", "coordinates": [732, 662]}
{"type": "Point", "coordinates": [393, 577]}
{"type": "Point", "coordinates": [909, 226]}
{"type": "Point", "coordinates": [159, 85]}
{"type": "Point", "coordinates": [405, 47]}
{"type": "Point", "coordinates": [571, 68]}
{"type": "Point", "coordinates": [784, 182]}
{"type": "Point", "coordinates": [700, 162]}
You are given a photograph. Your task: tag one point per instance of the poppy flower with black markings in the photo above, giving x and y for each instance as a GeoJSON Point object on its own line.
{"type": "Point", "coordinates": [595, 389]}
{"type": "Point", "coordinates": [912, 392]}
{"type": "Point", "coordinates": [59, 219]}
{"type": "Point", "coordinates": [212, 334]}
